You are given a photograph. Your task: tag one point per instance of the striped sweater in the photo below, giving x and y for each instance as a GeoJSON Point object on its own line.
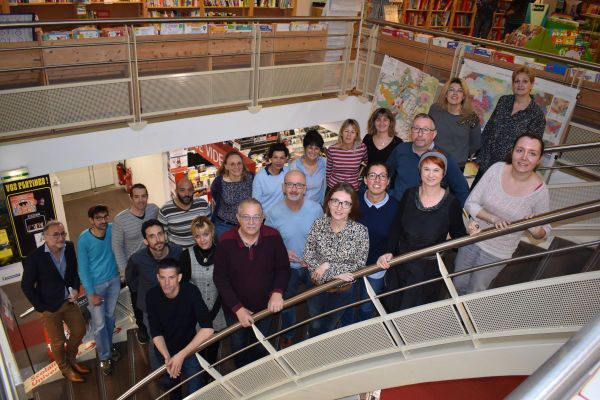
{"type": "Point", "coordinates": [344, 165]}
{"type": "Point", "coordinates": [178, 222]}
{"type": "Point", "coordinates": [127, 234]}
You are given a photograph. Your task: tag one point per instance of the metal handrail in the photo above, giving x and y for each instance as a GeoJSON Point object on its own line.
{"type": "Point", "coordinates": [546, 218]}
{"type": "Point", "coordinates": [136, 21]}
{"type": "Point", "coordinates": [486, 42]}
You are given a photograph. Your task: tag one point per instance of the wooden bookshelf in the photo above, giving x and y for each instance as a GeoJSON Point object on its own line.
{"type": "Point", "coordinates": [498, 19]}
{"type": "Point", "coordinates": [48, 11]}
{"type": "Point", "coordinates": [446, 15]}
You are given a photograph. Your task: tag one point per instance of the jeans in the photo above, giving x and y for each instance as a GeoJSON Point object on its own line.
{"type": "Point", "coordinates": [365, 311]}
{"type": "Point", "coordinates": [138, 314]}
{"type": "Point", "coordinates": [473, 256]}
{"type": "Point", "coordinates": [221, 227]}
{"type": "Point", "coordinates": [190, 367]}
{"type": "Point", "coordinates": [288, 316]}
{"type": "Point", "coordinates": [103, 315]}
{"type": "Point", "coordinates": [483, 24]}
{"type": "Point", "coordinates": [70, 314]}
{"type": "Point", "coordinates": [245, 337]}
{"type": "Point", "coordinates": [324, 302]}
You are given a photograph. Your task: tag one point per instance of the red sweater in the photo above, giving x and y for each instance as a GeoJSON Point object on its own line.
{"type": "Point", "coordinates": [246, 277]}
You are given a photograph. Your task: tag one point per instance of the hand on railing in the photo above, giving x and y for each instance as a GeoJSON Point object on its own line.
{"type": "Point", "coordinates": [245, 317]}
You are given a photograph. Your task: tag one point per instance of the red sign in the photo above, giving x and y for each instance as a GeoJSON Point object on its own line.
{"type": "Point", "coordinates": [215, 153]}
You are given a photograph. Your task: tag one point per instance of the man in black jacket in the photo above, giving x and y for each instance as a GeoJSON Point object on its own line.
{"type": "Point", "coordinates": [51, 284]}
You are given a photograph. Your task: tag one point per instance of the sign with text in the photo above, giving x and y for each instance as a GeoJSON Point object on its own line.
{"type": "Point", "coordinates": [31, 205]}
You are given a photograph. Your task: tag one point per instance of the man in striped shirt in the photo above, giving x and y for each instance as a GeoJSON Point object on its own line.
{"type": "Point", "coordinates": [177, 214]}
{"type": "Point", "coordinates": [127, 239]}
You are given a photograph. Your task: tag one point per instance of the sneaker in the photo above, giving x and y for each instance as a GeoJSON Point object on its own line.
{"type": "Point", "coordinates": [106, 367]}
{"type": "Point", "coordinates": [142, 336]}
{"type": "Point", "coordinates": [115, 355]}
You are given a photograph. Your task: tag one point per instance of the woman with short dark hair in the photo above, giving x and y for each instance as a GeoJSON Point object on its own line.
{"type": "Point", "coordinates": [313, 165]}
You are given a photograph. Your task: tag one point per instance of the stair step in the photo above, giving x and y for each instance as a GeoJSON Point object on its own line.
{"type": "Point", "coordinates": [57, 390]}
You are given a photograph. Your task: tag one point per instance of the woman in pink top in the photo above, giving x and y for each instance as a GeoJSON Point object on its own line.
{"type": "Point", "coordinates": [345, 157]}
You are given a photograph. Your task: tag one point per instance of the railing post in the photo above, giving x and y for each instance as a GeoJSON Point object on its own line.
{"type": "Point", "coordinates": [346, 61]}
{"type": "Point", "coordinates": [381, 310]}
{"type": "Point", "coordinates": [273, 352]}
{"type": "Point", "coordinates": [462, 311]}
{"type": "Point", "coordinates": [368, 61]}
{"type": "Point", "coordinates": [255, 65]}
{"type": "Point", "coordinates": [136, 99]}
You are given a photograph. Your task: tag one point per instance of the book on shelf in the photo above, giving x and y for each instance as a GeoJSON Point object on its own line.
{"type": "Point", "coordinates": [504, 56]}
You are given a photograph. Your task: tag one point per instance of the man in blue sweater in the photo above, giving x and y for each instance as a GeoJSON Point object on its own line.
{"type": "Point", "coordinates": [404, 161]}
{"type": "Point", "coordinates": [100, 277]}
{"type": "Point", "coordinates": [293, 218]}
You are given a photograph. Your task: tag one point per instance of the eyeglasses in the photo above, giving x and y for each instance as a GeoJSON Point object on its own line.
{"type": "Point", "coordinates": [291, 185]}
{"type": "Point", "coordinates": [424, 131]}
{"type": "Point", "coordinates": [101, 217]}
{"type": "Point", "coordinates": [336, 203]}
{"type": "Point", "coordinates": [373, 176]}
{"type": "Point", "coordinates": [251, 218]}
{"type": "Point", "coordinates": [58, 235]}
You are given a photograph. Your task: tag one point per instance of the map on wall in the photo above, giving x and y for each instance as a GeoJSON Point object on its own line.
{"type": "Point", "coordinates": [487, 83]}
{"type": "Point", "coordinates": [405, 91]}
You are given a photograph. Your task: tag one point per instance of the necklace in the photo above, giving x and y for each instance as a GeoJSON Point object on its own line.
{"type": "Point", "coordinates": [205, 256]}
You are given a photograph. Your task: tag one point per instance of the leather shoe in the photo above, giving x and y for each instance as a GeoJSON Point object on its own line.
{"type": "Point", "coordinates": [81, 368]}
{"type": "Point", "coordinates": [73, 376]}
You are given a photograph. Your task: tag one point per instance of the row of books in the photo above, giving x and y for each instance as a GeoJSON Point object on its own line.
{"type": "Point", "coordinates": [173, 13]}
{"type": "Point", "coordinates": [226, 3]}
{"type": "Point", "coordinates": [442, 5]}
{"type": "Point", "coordinates": [273, 3]}
{"type": "Point", "coordinates": [422, 5]}
{"type": "Point", "coordinates": [85, 32]}
{"type": "Point", "coordinates": [465, 5]}
{"type": "Point", "coordinates": [173, 3]}
{"type": "Point", "coordinates": [462, 20]}
{"type": "Point", "coordinates": [415, 19]}
{"type": "Point", "coordinates": [440, 20]}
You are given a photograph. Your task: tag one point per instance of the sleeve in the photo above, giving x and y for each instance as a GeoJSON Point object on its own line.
{"type": "Point", "coordinates": [282, 266]}
{"type": "Point", "coordinates": [491, 123]}
{"type": "Point", "coordinates": [118, 242]}
{"type": "Point", "coordinates": [131, 275]}
{"type": "Point", "coordinates": [72, 266]}
{"type": "Point", "coordinates": [185, 262]}
{"type": "Point", "coordinates": [542, 205]}
{"type": "Point", "coordinates": [456, 180]}
{"type": "Point", "coordinates": [474, 205]}
{"type": "Point", "coordinates": [84, 265]}
{"type": "Point", "coordinates": [355, 261]}
{"type": "Point", "coordinates": [257, 189]}
{"type": "Point", "coordinates": [329, 167]}
{"type": "Point", "coordinates": [200, 310]}
{"type": "Point", "coordinates": [222, 280]}
{"type": "Point", "coordinates": [311, 247]}
{"type": "Point", "coordinates": [28, 281]}
{"type": "Point", "coordinates": [537, 125]}
{"type": "Point", "coordinates": [365, 157]}
{"type": "Point", "coordinates": [163, 219]}
{"type": "Point", "coordinates": [474, 138]}
{"type": "Point", "coordinates": [215, 192]}
{"type": "Point", "coordinates": [397, 230]}
{"type": "Point", "coordinates": [456, 224]}
{"type": "Point", "coordinates": [153, 312]}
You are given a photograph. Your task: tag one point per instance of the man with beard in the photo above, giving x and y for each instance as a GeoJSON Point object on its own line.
{"type": "Point", "coordinates": [293, 217]}
{"type": "Point", "coordinates": [100, 277]}
{"type": "Point", "coordinates": [50, 282]}
{"type": "Point", "coordinates": [177, 214]}
{"type": "Point", "coordinates": [127, 239]}
{"type": "Point", "coordinates": [141, 269]}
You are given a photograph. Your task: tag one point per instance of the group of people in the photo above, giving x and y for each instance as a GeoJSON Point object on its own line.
{"type": "Point", "coordinates": [192, 268]}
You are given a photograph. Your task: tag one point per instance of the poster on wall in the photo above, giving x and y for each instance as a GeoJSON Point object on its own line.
{"type": "Point", "coordinates": [487, 83]}
{"type": "Point", "coordinates": [404, 90]}
{"type": "Point", "coordinates": [30, 205]}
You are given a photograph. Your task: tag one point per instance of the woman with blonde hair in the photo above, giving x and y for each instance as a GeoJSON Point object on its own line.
{"type": "Point", "coordinates": [458, 129]}
{"type": "Point", "coordinates": [345, 157]}
{"type": "Point", "coordinates": [381, 137]}
{"type": "Point", "coordinates": [232, 185]}
{"type": "Point", "coordinates": [197, 264]}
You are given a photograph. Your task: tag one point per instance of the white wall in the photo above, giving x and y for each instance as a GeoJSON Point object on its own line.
{"type": "Point", "coordinates": [151, 171]}
{"type": "Point", "coordinates": [75, 151]}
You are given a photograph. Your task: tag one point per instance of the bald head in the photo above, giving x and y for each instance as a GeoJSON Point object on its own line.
{"type": "Point", "coordinates": [185, 192]}
{"type": "Point", "coordinates": [294, 187]}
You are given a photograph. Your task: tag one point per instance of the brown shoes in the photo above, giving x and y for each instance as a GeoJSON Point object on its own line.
{"type": "Point", "coordinates": [73, 376]}
{"type": "Point", "coordinates": [81, 368]}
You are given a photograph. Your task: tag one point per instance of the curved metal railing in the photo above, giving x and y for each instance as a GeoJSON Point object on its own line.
{"type": "Point", "coordinates": [546, 218]}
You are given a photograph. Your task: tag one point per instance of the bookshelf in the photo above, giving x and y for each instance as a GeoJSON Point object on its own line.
{"type": "Point", "coordinates": [63, 10]}
{"type": "Point", "coordinates": [498, 19]}
{"type": "Point", "coordinates": [447, 15]}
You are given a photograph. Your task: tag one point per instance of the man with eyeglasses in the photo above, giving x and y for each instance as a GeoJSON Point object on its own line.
{"type": "Point", "coordinates": [404, 161]}
{"type": "Point", "coordinates": [51, 284]}
{"type": "Point", "coordinates": [100, 276]}
{"type": "Point", "coordinates": [293, 217]}
{"type": "Point", "coordinates": [251, 272]}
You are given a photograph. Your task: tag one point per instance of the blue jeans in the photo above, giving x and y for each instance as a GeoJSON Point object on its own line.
{"type": "Point", "coordinates": [324, 302]}
{"type": "Point", "coordinates": [103, 315]}
{"type": "Point", "coordinates": [288, 316]}
{"type": "Point", "coordinates": [245, 337]}
{"type": "Point", "coordinates": [365, 311]}
{"type": "Point", "coordinates": [221, 227]}
{"type": "Point", "coordinates": [189, 367]}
